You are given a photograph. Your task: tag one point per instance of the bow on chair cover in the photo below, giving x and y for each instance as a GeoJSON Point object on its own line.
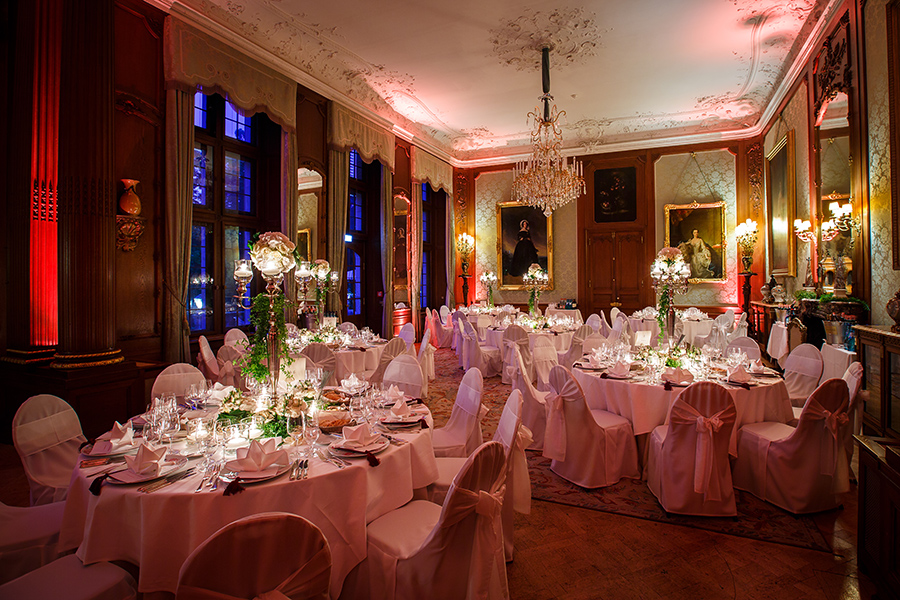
{"type": "Point", "coordinates": [829, 454]}
{"type": "Point", "coordinates": [228, 375]}
{"type": "Point", "coordinates": [704, 455]}
{"type": "Point", "coordinates": [488, 534]}
{"type": "Point", "coordinates": [562, 389]}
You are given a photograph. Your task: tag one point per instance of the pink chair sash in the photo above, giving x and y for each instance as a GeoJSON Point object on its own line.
{"type": "Point", "coordinates": [832, 421]}
{"type": "Point", "coordinates": [488, 530]}
{"type": "Point", "coordinates": [561, 390]}
{"type": "Point", "coordinates": [704, 454]}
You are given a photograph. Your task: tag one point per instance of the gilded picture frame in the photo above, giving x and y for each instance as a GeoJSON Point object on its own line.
{"type": "Point", "coordinates": [698, 230]}
{"type": "Point", "coordinates": [781, 199]}
{"type": "Point", "coordinates": [524, 236]}
{"type": "Point", "coordinates": [303, 241]}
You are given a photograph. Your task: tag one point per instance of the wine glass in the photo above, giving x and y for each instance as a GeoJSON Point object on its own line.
{"type": "Point", "coordinates": [311, 431]}
{"type": "Point", "coordinates": [295, 426]}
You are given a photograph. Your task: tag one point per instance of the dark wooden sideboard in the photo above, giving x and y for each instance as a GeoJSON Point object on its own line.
{"type": "Point", "coordinates": [879, 352]}
{"type": "Point", "coordinates": [878, 548]}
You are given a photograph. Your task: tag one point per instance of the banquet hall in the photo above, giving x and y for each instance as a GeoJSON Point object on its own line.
{"type": "Point", "coordinates": [596, 221]}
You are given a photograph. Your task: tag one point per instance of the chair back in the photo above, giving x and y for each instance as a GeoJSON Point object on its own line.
{"type": "Point", "coordinates": [408, 335]}
{"type": "Point", "coordinates": [575, 350]}
{"type": "Point", "coordinates": [228, 353]}
{"type": "Point", "coordinates": [405, 372]}
{"type": "Point", "coordinates": [747, 346]}
{"type": "Point", "coordinates": [802, 371]}
{"type": "Point", "coordinates": [592, 342]}
{"type": "Point", "coordinates": [582, 332]}
{"type": "Point", "coordinates": [348, 327]}
{"type": "Point", "coordinates": [290, 558]}
{"type": "Point", "coordinates": [445, 312]}
{"type": "Point", "coordinates": [544, 357]}
{"type": "Point", "coordinates": [322, 357]}
{"type": "Point", "coordinates": [176, 379]}
{"type": "Point", "coordinates": [819, 432]}
{"type": "Point", "coordinates": [618, 327]}
{"type": "Point", "coordinates": [236, 337]}
{"type": "Point", "coordinates": [515, 438]}
{"type": "Point", "coordinates": [566, 410]}
{"type": "Point", "coordinates": [426, 343]}
{"type": "Point", "coordinates": [467, 409]}
{"type": "Point", "coordinates": [206, 361]}
{"type": "Point", "coordinates": [726, 320]}
{"type": "Point", "coordinates": [853, 377]}
{"type": "Point", "coordinates": [613, 313]}
{"type": "Point", "coordinates": [740, 330]}
{"type": "Point", "coordinates": [47, 436]}
{"type": "Point", "coordinates": [392, 350]}
{"type": "Point", "coordinates": [594, 322]}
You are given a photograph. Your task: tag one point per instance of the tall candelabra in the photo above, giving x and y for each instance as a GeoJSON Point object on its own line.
{"type": "Point", "coordinates": [842, 222]}
{"type": "Point", "coordinates": [536, 281]}
{"type": "Point", "coordinates": [805, 233]}
{"type": "Point", "coordinates": [670, 275]}
{"type": "Point", "coordinates": [488, 279]}
{"type": "Point", "coordinates": [324, 280]}
{"type": "Point", "coordinates": [746, 236]}
{"type": "Point", "coordinates": [465, 244]}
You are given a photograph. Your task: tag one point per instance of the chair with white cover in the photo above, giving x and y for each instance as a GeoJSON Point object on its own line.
{"type": "Point", "coordinates": [592, 342]}
{"type": "Point", "coordinates": [688, 467]}
{"type": "Point", "coordinates": [449, 552]}
{"type": "Point", "coordinates": [445, 313]}
{"type": "Point", "coordinates": [228, 359]}
{"type": "Point", "coordinates": [853, 376]}
{"type": "Point", "coordinates": [236, 337]}
{"type": "Point", "coordinates": [323, 358]}
{"type": "Point", "coordinates": [511, 339]}
{"type": "Point", "coordinates": [47, 435]}
{"type": "Point", "coordinates": [28, 538]}
{"type": "Point", "coordinates": [392, 350]}
{"type": "Point", "coordinates": [802, 469]}
{"type": "Point", "coordinates": [69, 578]}
{"type": "Point", "coordinates": [408, 335]}
{"type": "Point", "coordinates": [443, 333]}
{"type": "Point", "coordinates": [229, 353]}
{"type": "Point", "coordinates": [485, 358]}
{"type": "Point", "coordinates": [746, 345]}
{"type": "Point", "coordinates": [544, 357]}
{"type": "Point", "coordinates": [176, 379]}
{"type": "Point", "coordinates": [613, 313]}
{"type": "Point", "coordinates": [462, 433]}
{"type": "Point", "coordinates": [515, 439]}
{"type": "Point", "coordinates": [605, 327]}
{"type": "Point", "coordinates": [587, 446]}
{"type": "Point", "coordinates": [802, 370]}
{"type": "Point", "coordinates": [534, 404]}
{"type": "Point", "coordinates": [206, 360]}
{"type": "Point", "coordinates": [726, 320]}
{"type": "Point", "coordinates": [575, 351]}
{"type": "Point", "coordinates": [426, 360]}
{"type": "Point", "coordinates": [594, 321]}
{"type": "Point", "coordinates": [456, 320]}
{"type": "Point", "coordinates": [618, 331]}
{"type": "Point", "coordinates": [405, 372]}
{"type": "Point", "coordinates": [290, 558]}
{"type": "Point", "coordinates": [740, 330]}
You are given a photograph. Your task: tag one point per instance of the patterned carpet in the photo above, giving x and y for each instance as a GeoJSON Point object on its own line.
{"type": "Point", "coordinates": [756, 519]}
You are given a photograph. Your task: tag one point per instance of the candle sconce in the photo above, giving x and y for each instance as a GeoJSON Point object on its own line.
{"type": "Point", "coordinates": [243, 273]}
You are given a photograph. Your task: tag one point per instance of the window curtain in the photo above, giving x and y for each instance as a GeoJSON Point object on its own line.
{"type": "Point", "coordinates": [451, 253]}
{"type": "Point", "coordinates": [289, 199]}
{"type": "Point", "coordinates": [387, 251]}
{"type": "Point", "coordinates": [179, 183]}
{"type": "Point", "coordinates": [338, 184]}
{"type": "Point", "coordinates": [414, 245]}
{"type": "Point", "coordinates": [347, 130]}
{"type": "Point", "coordinates": [427, 167]}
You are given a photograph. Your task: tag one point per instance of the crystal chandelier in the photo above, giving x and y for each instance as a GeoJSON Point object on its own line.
{"type": "Point", "coordinates": [547, 180]}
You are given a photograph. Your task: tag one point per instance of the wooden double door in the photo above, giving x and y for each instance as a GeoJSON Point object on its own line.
{"type": "Point", "coordinates": [616, 272]}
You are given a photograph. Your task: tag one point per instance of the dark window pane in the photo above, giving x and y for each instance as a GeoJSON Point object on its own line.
{"type": "Point", "coordinates": [203, 175]}
{"type": "Point", "coordinates": [423, 294]}
{"type": "Point", "coordinates": [237, 126]}
{"type": "Point", "coordinates": [200, 281]}
{"type": "Point", "coordinates": [355, 219]}
{"type": "Point", "coordinates": [355, 165]}
{"type": "Point", "coordinates": [426, 227]}
{"type": "Point", "coordinates": [238, 184]}
{"type": "Point", "coordinates": [354, 283]}
{"type": "Point", "coordinates": [200, 110]}
{"type": "Point", "coordinates": [236, 239]}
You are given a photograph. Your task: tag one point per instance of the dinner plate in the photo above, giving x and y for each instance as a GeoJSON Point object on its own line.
{"type": "Point", "coordinates": [258, 476]}
{"type": "Point", "coordinates": [620, 377]}
{"type": "Point", "coordinates": [343, 453]}
{"type": "Point", "coordinates": [87, 451]}
{"type": "Point", "coordinates": [178, 463]}
{"type": "Point", "coordinates": [588, 367]}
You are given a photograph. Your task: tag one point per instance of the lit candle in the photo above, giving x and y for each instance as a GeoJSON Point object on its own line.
{"type": "Point", "coordinates": [270, 268]}
{"type": "Point", "coordinates": [303, 269]}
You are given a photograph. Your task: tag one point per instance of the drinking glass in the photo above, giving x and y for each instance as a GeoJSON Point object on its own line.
{"type": "Point", "coordinates": [311, 431]}
{"type": "Point", "coordinates": [295, 425]}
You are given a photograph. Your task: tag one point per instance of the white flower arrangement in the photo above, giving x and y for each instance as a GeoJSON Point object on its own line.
{"type": "Point", "coordinates": [273, 253]}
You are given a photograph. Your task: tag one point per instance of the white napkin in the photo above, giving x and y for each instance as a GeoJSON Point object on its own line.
{"type": "Point", "coordinates": [394, 394]}
{"type": "Point", "coordinates": [147, 462]}
{"type": "Point", "coordinates": [739, 375]}
{"type": "Point", "coordinates": [757, 366]}
{"type": "Point", "coordinates": [359, 437]}
{"type": "Point", "coordinates": [678, 375]}
{"type": "Point", "coordinates": [351, 383]}
{"type": "Point", "coordinates": [260, 457]}
{"type": "Point", "coordinates": [220, 392]}
{"type": "Point", "coordinates": [594, 360]}
{"type": "Point", "coordinates": [400, 409]}
{"type": "Point", "coordinates": [620, 369]}
{"type": "Point", "coordinates": [121, 436]}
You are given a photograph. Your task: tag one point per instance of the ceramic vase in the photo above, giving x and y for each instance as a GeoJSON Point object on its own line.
{"type": "Point", "coordinates": [129, 201]}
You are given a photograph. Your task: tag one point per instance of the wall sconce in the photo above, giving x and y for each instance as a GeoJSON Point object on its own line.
{"type": "Point", "coordinates": [465, 243]}
{"type": "Point", "coordinates": [805, 233]}
{"type": "Point", "coordinates": [746, 238]}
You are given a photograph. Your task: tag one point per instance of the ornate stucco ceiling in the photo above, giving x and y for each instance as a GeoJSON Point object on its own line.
{"type": "Point", "coordinates": [461, 75]}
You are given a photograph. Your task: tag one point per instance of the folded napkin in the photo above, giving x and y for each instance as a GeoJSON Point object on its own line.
{"type": "Point", "coordinates": [620, 369]}
{"type": "Point", "coordinates": [351, 383]}
{"type": "Point", "coordinates": [220, 392]}
{"type": "Point", "coordinates": [694, 314]}
{"type": "Point", "coordinates": [678, 376]}
{"type": "Point", "coordinates": [394, 394]}
{"type": "Point", "coordinates": [757, 366]}
{"type": "Point", "coordinates": [739, 375]}
{"type": "Point", "coordinates": [120, 437]}
{"type": "Point", "coordinates": [260, 457]}
{"type": "Point", "coordinates": [400, 409]}
{"type": "Point", "coordinates": [147, 462]}
{"type": "Point", "coordinates": [594, 360]}
{"type": "Point", "coordinates": [360, 437]}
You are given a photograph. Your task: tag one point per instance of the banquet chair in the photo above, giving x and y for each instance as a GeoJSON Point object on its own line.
{"type": "Point", "coordinates": [802, 370]}
{"type": "Point", "coordinates": [587, 446]}
{"type": "Point", "coordinates": [613, 313]}
{"type": "Point", "coordinates": [69, 578]}
{"type": "Point", "coordinates": [534, 404]}
{"type": "Point", "coordinates": [592, 342]}
{"type": "Point", "coordinates": [853, 376]}
{"type": "Point", "coordinates": [349, 328]}
{"type": "Point", "coordinates": [801, 469]}
{"type": "Point", "coordinates": [545, 358]}
{"type": "Point", "coordinates": [726, 320]}
{"type": "Point", "coordinates": [405, 372]}
{"type": "Point", "coordinates": [426, 361]}
{"type": "Point", "coordinates": [228, 358]}
{"type": "Point", "coordinates": [617, 330]}
{"type": "Point", "coordinates": [688, 467]}
{"type": "Point", "coordinates": [443, 333]}
{"type": "Point", "coordinates": [408, 335]}
{"type": "Point", "coordinates": [449, 552]}
{"type": "Point", "coordinates": [462, 433]}
{"type": "Point", "coordinates": [511, 339]}
{"type": "Point", "coordinates": [740, 330]}
{"type": "Point", "coordinates": [206, 360]}
{"type": "Point", "coordinates": [605, 327]}
{"type": "Point", "coordinates": [482, 357]}
{"type": "Point", "coordinates": [456, 320]}
{"type": "Point", "coordinates": [575, 351]}
{"type": "Point", "coordinates": [392, 350]}
{"type": "Point", "coordinates": [445, 313]}
{"type": "Point", "coordinates": [517, 497]}
{"type": "Point", "coordinates": [267, 555]}
{"type": "Point", "coordinates": [28, 538]}
{"type": "Point", "coordinates": [228, 353]}
{"type": "Point", "coordinates": [176, 379]}
{"type": "Point", "coordinates": [323, 358]}
{"type": "Point", "coordinates": [236, 337]}
{"type": "Point", "coordinates": [594, 321]}
{"type": "Point", "coordinates": [746, 345]}
{"type": "Point", "coordinates": [47, 436]}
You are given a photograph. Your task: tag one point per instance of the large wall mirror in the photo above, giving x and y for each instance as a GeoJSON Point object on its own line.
{"type": "Point", "coordinates": [835, 189]}
{"type": "Point", "coordinates": [309, 195]}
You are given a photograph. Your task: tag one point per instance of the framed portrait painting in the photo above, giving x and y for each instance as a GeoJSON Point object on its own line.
{"type": "Point", "coordinates": [524, 237]}
{"type": "Point", "coordinates": [781, 197]}
{"type": "Point", "coordinates": [698, 230]}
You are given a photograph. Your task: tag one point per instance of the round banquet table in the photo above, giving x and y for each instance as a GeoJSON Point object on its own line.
{"type": "Point", "coordinates": [651, 325]}
{"type": "Point", "coordinates": [575, 313]}
{"type": "Point", "coordinates": [157, 531]}
{"type": "Point", "coordinates": [356, 360]}
{"type": "Point", "coordinates": [695, 329]}
{"type": "Point", "coordinates": [647, 406]}
{"type": "Point", "coordinates": [561, 340]}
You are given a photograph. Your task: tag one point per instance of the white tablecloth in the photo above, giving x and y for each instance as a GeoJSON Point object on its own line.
{"type": "Point", "coordinates": [651, 325]}
{"type": "Point", "coordinates": [561, 341]}
{"type": "Point", "coordinates": [352, 360]}
{"type": "Point", "coordinates": [647, 406]}
{"type": "Point", "coordinates": [835, 360]}
{"type": "Point", "coordinates": [565, 312]}
{"type": "Point", "coordinates": [158, 531]}
{"type": "Point", "coordinates": [778, 347]}
{"type": "Point", "coordinates": [695, 329]}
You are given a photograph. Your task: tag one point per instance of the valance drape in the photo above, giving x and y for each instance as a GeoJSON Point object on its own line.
{"type": "Point", "coordinates": [192, 58]}
{"type": "Point", "coordinates": [428, 167]}
{"type": "Point", "coordinates": [347, 130]}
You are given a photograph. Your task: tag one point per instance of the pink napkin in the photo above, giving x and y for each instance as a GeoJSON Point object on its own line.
{"type": "Point", "coordinates": [261, 458]}
{"type": "Point", "coordinates": [146, 463]}
{"type": "Point", "coordinates": [120, 437]}
{"type": "Point", "coordinates": [620, 369]}
{"type": "Point", "coordinates": [400, 409]}
{"type": "Point", "coordinates": [394, 394]}
{"type": "Point", "coordinates": [678, 376]}
{"type": "Point", "coordinates": [739, 375]}
{"type": "Point", "coordinates": [757, 366]}
{"type": "Point", "coordinates": [360, 437]}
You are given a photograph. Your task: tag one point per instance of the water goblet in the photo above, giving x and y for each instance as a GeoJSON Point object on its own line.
{"type": "Point", "coordinates": [311, 431]}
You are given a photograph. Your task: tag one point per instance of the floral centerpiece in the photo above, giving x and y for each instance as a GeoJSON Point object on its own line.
{"type": "Point", "coordinates": [271, 411]}
{"type": "Point", "coordinates": [488, 279]}
{"type": "Point", "coordinates": [273, 254]}
{"type": "Point", "coordinates": [330, 335]}
{"type": "Point", "coordinates": [535, 279]}
{"type": "Point", "coordinates": [670, 275]}
{"type": "Point", "coordinates": [532, 322]}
